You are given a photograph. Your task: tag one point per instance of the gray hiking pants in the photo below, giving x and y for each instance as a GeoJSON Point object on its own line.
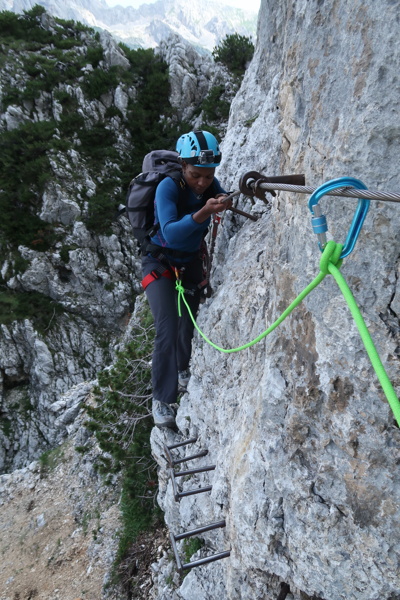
{"type": "Point", "coordinates": [173, 341]}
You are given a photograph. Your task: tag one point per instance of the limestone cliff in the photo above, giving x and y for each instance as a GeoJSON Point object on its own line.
{"type": "Point", "coordinates": [305, 445]}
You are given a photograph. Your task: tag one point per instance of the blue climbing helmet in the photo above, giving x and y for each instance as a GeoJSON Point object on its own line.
{"type": "Point", "coordinates": [199, 148]}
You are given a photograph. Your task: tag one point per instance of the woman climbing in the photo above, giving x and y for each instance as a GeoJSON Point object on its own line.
{"type": "Point", "coordinates": [176, 245]}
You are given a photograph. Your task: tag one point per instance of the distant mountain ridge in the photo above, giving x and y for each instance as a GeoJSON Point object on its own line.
{"type": "Point", "coordinates": [203, 25]}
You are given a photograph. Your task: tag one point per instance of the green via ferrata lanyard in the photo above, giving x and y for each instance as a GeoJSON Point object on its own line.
{"type": "Point", "coordinates": [330, 263]}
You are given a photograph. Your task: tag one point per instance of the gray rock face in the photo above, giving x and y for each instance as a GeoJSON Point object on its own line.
{"type": "Point", "coordinates": [36, 372]}
{"type": "Point", "coordinates": [192, 76]}
{"type": "Point", "coordinates": [305, 445]}
{"type": "Point", "coordinates": [114, 57]}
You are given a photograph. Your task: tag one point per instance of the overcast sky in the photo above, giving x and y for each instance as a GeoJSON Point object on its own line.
{"type": "Point", "coordinates": [253, 5]}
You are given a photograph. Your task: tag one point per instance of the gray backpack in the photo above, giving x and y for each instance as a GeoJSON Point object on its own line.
{"type": "Point", "coordinates": [157, 165]}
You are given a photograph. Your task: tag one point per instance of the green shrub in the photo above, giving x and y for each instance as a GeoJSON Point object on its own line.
{"type": "Point", "coordinates": [122, 425]}
{"type": "Point", "coordinates": [33, 30]}
{"type": "Point", "coordinates": [97, 142]}
{"type": "Point", "coordinates": [191, 546]}
{"type": "Point", "coordinates": [20, 264]}
{"type": "Point", "coordinates": [102, 208]}
{"type": "Point", "coordinates": [71, 122]}
{"type": "Point", "coordinates": [235, 52]}
{"type": "Point", "coordinates": [94, 55]}
{"type": "Point", "coordinates": [28, 27]}
{"type": "Point", "coordinates": [64, 98]}
{"type": "Point", "coordinates": [15, 306]}
{"type": "Point", "coordinates": [73, 27]}
{"type": "Point", "coordinates": [50, 459]}
{"type": "Point", "coordinates": [10, 96]}
{"type": "Point", "coordinates": [6, 426]}
{"type": "Point", "coordinates": [64, 252]}
{"type": "Point", "coordinates": [33, 89]}
{"type": "Point", "coordinates": [113, 111]}
{"type": "Point", "coordinates": [35, 12]}
{"type": "Point", "coordinates": [26, 169]}
{"type": "Point", "coordinates": [11, 25]}
{"type": "Point", "coordinates": [99, 82]}
{"type": "Point", "coordinates": [213, 106]}
{"type": "Point", "coordinates": [66, 43]}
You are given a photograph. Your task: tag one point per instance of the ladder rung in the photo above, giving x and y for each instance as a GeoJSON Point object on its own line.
{"type": "Point", "coordinates": [202, 561]}
{"type": "Point", "coordinates": [182, 460]}
{"type": "Point", "coordinates": [176, 461]}
{"type": "Point", "coordinates": [185, 443]}
{"type": "Point", "coordinates": [206, 559]}
{"type": "Point", "coordinates": [178, 495]}
{"type": "Point", "coordinates": [185, 534]}
{"type": "Point", "coordinates": [194, 491]}
{"type": "Point", "coordinates": [193, 471]}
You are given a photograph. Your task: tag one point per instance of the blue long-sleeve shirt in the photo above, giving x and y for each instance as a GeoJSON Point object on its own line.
{"type": "Point", "coordinates": [180, 231]}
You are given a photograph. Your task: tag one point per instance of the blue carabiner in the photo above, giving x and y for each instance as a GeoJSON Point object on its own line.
{"type": "Point", "coordinates": [318, 220]}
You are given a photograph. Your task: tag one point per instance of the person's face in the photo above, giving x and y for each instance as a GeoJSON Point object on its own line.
{"type": "Point", "coordinates": [198, 178]}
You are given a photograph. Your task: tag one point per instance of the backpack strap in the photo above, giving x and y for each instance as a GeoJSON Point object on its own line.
{"type": "Point", "coordinates": [146, 246]}
{"type": "Point", "coordinates": [183, 192]}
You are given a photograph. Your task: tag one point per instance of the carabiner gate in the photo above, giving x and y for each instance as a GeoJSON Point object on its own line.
{"type": "Point", "coordinates": [318, 220]}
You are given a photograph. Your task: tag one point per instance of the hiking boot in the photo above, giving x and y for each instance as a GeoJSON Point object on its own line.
{"type": "Point", "coordinates": [163, 414]}
{"type": "Point", "coordinates": [183, 380]}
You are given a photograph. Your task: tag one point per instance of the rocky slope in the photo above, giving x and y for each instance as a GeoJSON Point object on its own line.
{"type": "Point", "coordinates": [204, 26]}
{"type": "Point", "coordinates": [58, 524]}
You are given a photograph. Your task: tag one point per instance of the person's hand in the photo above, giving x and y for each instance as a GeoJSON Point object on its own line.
{"type": "Point", "coordinates": [218, 204]}
{"type": "Point", "coordinates": [212, 206]}
{"type": "Point", "coordinates": [226, 203]}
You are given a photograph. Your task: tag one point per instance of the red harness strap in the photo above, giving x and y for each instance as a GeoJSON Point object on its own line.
{"type": "Point", "coordinates": [156, 274]}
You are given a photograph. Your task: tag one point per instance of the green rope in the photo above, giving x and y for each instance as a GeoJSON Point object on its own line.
{"type": "Point", "coordinates": [274, 325]}
{"type": "Point", "coordinates": [330, 253]}
{"type": "Point", "coordinates": [330, 263]}
{"type": "Point", "coordinates": [368, 343]}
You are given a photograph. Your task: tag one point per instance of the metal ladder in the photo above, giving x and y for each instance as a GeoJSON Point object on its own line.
{"type": "Point", "coordinates": [172, 462]}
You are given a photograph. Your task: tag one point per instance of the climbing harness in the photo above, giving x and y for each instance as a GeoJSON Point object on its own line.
{"type": "Point", "coordinates": [169, 272]}
{"type": "Point", "coordinates": [155, 274]}
{"type": "Point", "coordinates": [330, 263]}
